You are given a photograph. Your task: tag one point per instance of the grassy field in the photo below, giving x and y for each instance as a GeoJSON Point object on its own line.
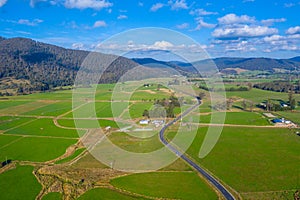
{"type": "Point", "coordinates": [253, 160]}
{"type": "Point", "coordinates": [43, 127]}
{"type": "Point", "coordinates": [71, 157]}
{"type": "Point", "coordinates": [7, 139]}
{"type": "Point", "coordinates": [136, 110]}
{"type": "Point", "coordinates": [11, 103]}
{"type": "Point", "coordinates": [174, 185]}
{"type": "Point", "coordinates": [85, 123]}
{"type": "Point", "coordinates": [36, 149]}
{"type": "Point", "coordinates": [19, 184]}
{"type": "Point", "coordinates": [54, 109]}
{"type": "Point", "coordinates": [135, 144]}
{"type": "Point", "coordinates": [258, 96]}
{"type": "Point", "coordinates": [8, 122]}
{"type": "Point", "coordinates": [240, 118]}
{"type": "Point", "coordinates": [105, 194]}
{"type": "Point", "coordinates": [53, 196]}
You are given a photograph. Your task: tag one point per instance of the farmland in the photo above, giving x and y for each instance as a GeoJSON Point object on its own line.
{"type": "Point", "coordinates": [39, 130]}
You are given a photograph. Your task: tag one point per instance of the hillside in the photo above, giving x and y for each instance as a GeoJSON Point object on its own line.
{"type": "Point", "coordinates": [34, 66]}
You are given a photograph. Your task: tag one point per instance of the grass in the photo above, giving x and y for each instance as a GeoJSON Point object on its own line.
{"type": "Point", "coordinates": [43, 127]}
{"type": "Point", "coordinates": [85, 123]}
{"type": "Point", "coordinates": [258, 96]}
{"type": "Point", "coordinates": [88, 161]}
{"type": "Point", "coordinates": [253, 160]}
{"type": "Point", "coordinates": [10, 103]}
{"type": "Point", "coordinates": [135, 144]}
{"type": "Point", "coordinates": [105, 194]}
{"type": "Point", "coordinates": [6, 139]}
{"type": "Point", "coordinates": [19, 109]}
{"type": "Point", "coordinates": [136, 110]}
{"type": "Point", "coordinates": [173, 185]}
{"type": "Point", "coordinates": [239, 118]}
{"type": "Point", "coordinates": [19, 184]}
{"type": "Point", "coordinates": [36, 149]}
{"type": "Point", "coordinates": [54, 109]}
{"type": "Point", "coordinates": [53, 196]}
{"type": "Point", "coordinates": [74, 155]}
{"type": "Point", "coordinates": [7, 122]}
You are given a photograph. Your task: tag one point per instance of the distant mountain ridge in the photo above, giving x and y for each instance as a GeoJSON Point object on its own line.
{"type": "Point", "coordinates": [29, 65]}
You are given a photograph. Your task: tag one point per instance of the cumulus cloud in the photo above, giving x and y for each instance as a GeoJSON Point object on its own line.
{"type": "Point", "coordinates": [156, 7]}
{"type": "Point", "coordinates": [2, 3]}
{"type": "Point", "coordinates": [240, 46]}
{"type": "Point", "coordinates": [27, 22]}
{"type": "Point", "coordinates": [78, 46]}
{"type": "Point", "coordinates": [234, 19]}
{"type": "Point", "coordinates": [99, 23]}
{"type": "Point", "coordinates": [245, 31]}
{"type": "Point", "coordinates": [293, 30]}
{"type": "Point", "coordinates": [178, 4]}
{"type": "Point", "coordinates": [289, 5]}
{"type": "Point", "coordinates": [269, 22]}
{"type": "Point", "coordinates": [202, 12]}
{"type": "Point", "coordinates": [83, 4]}
{"type": "Point", "coordinates": [162, 45]}
{"type": "Point", "coordinates": [122, 17]}
{"type": "Point", "coordinates": [183, 26]}
{"type": "Point", "coordinates": [202, 24]}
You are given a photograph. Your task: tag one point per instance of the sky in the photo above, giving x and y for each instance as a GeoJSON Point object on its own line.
{"type": "Point", "coordinates": [235, 28]}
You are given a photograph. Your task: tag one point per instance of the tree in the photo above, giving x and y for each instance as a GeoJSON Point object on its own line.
{"type": "Point", "coordinates": [293, 104]}
{"type": "Point", "coordinates": [251, 104]}
{"type": "Point", "coordinates": [229, 103]}
{"type": "Point", "coordinates": [146, 113]}
{"type": "Point", "coordinates": [244, 104]}
{"type": "Point", "coordinates": [202, 95]}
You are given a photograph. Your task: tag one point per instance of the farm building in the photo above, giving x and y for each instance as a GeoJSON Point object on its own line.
{"type": "Point", "coordinates": [144, 122]}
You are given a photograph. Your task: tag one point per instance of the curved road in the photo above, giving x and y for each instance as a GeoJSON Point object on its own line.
{"type": "Point", "coordinates": [205, 174]}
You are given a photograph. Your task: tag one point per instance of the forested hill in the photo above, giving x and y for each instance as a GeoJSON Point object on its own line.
{"type": "Point", "coordinates": [34, 66]}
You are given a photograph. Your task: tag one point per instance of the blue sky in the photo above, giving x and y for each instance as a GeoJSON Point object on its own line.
{"type": "Point", "coordinates": [247, 28]}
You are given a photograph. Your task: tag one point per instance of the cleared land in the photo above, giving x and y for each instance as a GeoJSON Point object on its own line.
{"type": "Point", "coordinates": [177, 185]}
{"type": "Point", "coordinates": [19, 184]}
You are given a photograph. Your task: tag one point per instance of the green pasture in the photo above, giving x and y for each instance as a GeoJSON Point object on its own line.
{"type": "Point", "coordinates": [106, 194]}
{"type": "Point", "coordinates": [53, 196]}
{"type": "Point", "coordinates": [54, 109]}
{"type": "Point", "coordinates": [19, 184]}
{"type": "Point", "coordinates": [43, 127]}
{"type": "Point", "coordinates": [253, 159]}
{"type": "Point", "coordinates": [36, 149]}
{"type": "Point", "coordinates": [8, 122]}
{"type": "Point", "coordinates": [172, 185]}
{"type": "Point", "coordinates": [71, 157]}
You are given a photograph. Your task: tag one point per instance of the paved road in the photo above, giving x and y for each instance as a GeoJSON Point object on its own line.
{"type": "Point", "coordinates": [205, 174]}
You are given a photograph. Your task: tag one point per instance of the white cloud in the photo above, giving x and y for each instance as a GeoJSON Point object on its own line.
{"type": "Point", "coordinates": [27, 22]}
{"type": "Point", "coordinates": [202, 12]}
{"type": "Point", "coordinates": [243, 31]}
{"type": "Point", "coordinates": [234, 19]}
{"type": "Point", "coordinates": [122, 17]}
{"type": "Point", "coordinates": [163, 45]}
{"type": "Point", "coordinates": [156, 7]}
{"type": "Point", "coordinates": [83, 4]}
{"type": "Point", "coordinates": [183, 26]}
{"type": "Point", "coordinates": [178, 4]}
{"type": "Point", "coordinates": [273, 38]}
{"type": "Point", "coordinates": [240, 46]}
{"type": "Point", "coordinates": [293, 30]}
{"type": "Point", "coordinates": [99, 23]}
{"type": "Point", "coordinates": [141, 4]}
{"type": "Point", "coordinates": [269, 22]}
{"type": "Point", "coordinates": [202, 24]}
{"type": "Point", "coordinates": [2, 2]}
{"type": "Point", "coordinates": [246, 1]}
{"type": "Point", "coordinates": [78, 46]}
{"type": "Point", "coordinates": [289, 5]}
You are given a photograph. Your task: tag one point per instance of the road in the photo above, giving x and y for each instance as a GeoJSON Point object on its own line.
{"type": "Point", "coordinates": [205, 174]}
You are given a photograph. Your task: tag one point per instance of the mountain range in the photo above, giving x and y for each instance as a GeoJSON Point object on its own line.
{"type": "Point", "coordinates": [28, 65]}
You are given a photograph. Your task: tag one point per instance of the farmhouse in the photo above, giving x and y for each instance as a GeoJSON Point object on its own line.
{"type": "Point", "coordinates": [144, 122]}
